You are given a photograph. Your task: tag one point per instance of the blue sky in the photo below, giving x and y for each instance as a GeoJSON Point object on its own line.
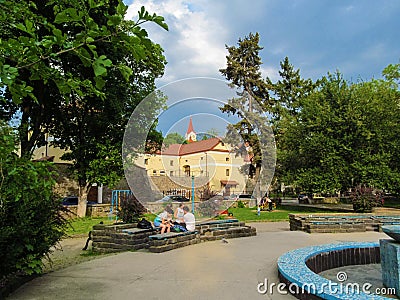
{"type": "Point", "coordinates": [358, 38]}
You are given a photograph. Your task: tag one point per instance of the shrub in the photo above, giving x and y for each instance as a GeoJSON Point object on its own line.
{"type": "Point", "coordinates": [130, 209]}
{"type": "Point", "coordinates": [240, 204]}
{"type": "Point", "coordinates": [364, 199]}
{"type": "Point", "coordinates": [31, 219]}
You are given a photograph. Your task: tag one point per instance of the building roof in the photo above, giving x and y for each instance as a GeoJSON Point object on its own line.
{"type": "Point", "coordinates": [194, 147]}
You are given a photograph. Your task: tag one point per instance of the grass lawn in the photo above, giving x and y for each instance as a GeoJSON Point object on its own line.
{"type": "Point", "coordinates": [81, 226]}
{"type": "Point", "coordinates": [280, 214]}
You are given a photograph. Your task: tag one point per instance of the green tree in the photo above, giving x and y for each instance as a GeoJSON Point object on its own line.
{"type": "Point", "coordinates": [77, 71]}
{"type": "Point", "coordinates": [344, 136]}
{"type": "Point", "coordinates": [243, 71]}
{"type": "Point", "coordinates": [287, 95]}
{"type": "Point", "coordinates": [40, 42]}
{"type": "Point", "coordinates": [30, 215]}
{"type": "Point", "coordinates": [173, 138]}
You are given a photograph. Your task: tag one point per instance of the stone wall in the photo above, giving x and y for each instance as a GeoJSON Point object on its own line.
{"type": "Point", "coordinates": [93, 210]}
{"type": "Point", "coordinates": [122, 237]}
{"type": "Point", "coordinates": [125, 237]}
{"type": "Point", "coordinates": [325, 223]}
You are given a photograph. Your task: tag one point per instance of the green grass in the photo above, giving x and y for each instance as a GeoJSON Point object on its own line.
{"type": "Point", "coordinates": [81, 226]}
{"type": "Point", "coordinates": [280, 214]}
{"type": "Point", "coordinates": [393, 202]}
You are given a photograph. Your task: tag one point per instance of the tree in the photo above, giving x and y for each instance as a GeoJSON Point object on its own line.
{"type": "Point", "coordinates": [173, 138]}
{"type": "Point", "coordinates": [287, 95]}
{"type": "Point", "coordinates": [77, 71]}
{"type": "Point", "coordinates": [344, 136]}
{"type": "Point", "coordinates": [40, 39]}
{"type": "Point", "coordinates": [243, 71]}
{"type": "Point", "coordinates": [31, 220]}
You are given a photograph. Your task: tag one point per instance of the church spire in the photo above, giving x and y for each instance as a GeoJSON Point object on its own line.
{"type": "Point", "coordinates": [190, 134]}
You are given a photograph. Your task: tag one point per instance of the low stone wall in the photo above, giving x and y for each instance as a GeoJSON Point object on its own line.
{"type": "Point", "coordinates": [122, 237]}
{"type": "Point", "coordinates": [92, 210]}
{"type": "Point", "coordinates": [340, 223]}
{"type": "Point", "coordinates": [217, 230]}
{"type": "Point", "coordinates": [169, 241]}
{"type": "Point", "coordinates": [98, 210]}
{"type": "Point", "coordinates": [127, 237]}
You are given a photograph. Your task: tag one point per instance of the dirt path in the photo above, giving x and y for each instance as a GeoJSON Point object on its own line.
{"type": "Point", "coordinates": [69, 252]}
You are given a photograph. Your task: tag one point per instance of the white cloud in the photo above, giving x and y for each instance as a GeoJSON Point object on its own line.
{"type": "Point", "coordinates": [194, 44]}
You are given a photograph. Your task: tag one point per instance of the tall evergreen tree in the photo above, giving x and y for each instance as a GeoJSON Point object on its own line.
{"type": "Point", "coordinates": [243, 71]}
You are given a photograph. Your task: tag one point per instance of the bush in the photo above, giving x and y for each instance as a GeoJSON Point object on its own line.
{"type": "Point", "coordinates": [130, 209]}
{"type": "Point", "coordinates": [31, 218]}
{"type": "Point", "coordinates": [240, 204]}
{"type": "Point", "coordinates": [364, 200]}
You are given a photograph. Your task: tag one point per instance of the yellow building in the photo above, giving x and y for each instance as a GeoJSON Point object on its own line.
{"type": "Point", "coordinates": [211, 162]}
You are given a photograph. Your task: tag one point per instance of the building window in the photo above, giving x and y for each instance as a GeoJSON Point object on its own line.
{"type": "Point", "coordinates": [162, 172]}
{"type": "Point", "coordinates": [227, 172]}
{"type": "Point", "coordinates": [171, 163]}
{"type": "Point", "coordinates": [146, 161]}
{"type": "Point", "coordinates": [171, 173]}
{"type": "Point", "coordinates": [154, 172]}
{"type": "Point", "coordinates": [227, 159]}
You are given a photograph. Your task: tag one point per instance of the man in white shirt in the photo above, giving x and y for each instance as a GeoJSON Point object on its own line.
{"type": "Point", "coordinates": [189, 219]}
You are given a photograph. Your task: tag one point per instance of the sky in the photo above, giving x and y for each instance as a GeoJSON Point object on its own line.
{"type": "Point", "coordinates": [357, 38]}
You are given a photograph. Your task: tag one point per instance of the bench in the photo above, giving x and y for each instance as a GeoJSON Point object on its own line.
{"type": "Point", "coordinates": [172, 240]}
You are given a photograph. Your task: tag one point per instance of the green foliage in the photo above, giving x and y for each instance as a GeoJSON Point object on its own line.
{"type": "Point", "coordinates": [240, 204]}
{"type": "Point", "coordinates": [253, 101]}
{"type": "Point", "coordinates": [31, 219]}
{"type": "Point", "coordinates": [76, 70]}
{"type": "Point", "coordinates": [344, 135]}
{"type": "Point", "coordinates": [173, 138]}
{"type": "Point", "coordinates": [130, 209]}
{"type": "Point", "coordinates": [248, 214]}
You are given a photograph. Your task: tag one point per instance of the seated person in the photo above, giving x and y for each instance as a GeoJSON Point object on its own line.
{"type": "Point", "coordinates": [189, 219]}
{"type": "Point", "coordinates": [163, 220]}
{"type": "Point", "coordinates": [179, 213]}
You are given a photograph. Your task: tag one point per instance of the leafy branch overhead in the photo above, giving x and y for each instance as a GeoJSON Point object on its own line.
{"type": "Point", "coordinates": [75, 71]}
{"type": "Point", "coordinates": [36, 37]}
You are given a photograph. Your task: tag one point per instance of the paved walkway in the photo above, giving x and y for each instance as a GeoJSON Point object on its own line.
{"type": "Point", "coordinates": [211, 270]}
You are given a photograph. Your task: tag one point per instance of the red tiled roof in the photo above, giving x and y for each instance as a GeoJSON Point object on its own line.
{"type": "Point", "coordinates": [229, 182]}
{"type": "Point", "coordinates": [194, 147]}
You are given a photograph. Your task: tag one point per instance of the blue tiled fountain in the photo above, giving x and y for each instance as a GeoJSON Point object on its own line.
{"type": "Point", "coordinates": [390, 257]}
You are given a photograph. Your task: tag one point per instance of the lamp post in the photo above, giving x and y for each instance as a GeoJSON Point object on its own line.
{"type": "Point", "coordinates": [192, 193]}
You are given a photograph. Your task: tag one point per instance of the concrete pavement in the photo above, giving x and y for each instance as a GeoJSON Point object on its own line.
{"type": "Point", "coordinates": [211, 270]}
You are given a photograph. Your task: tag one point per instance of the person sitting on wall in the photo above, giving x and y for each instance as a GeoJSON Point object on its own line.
{"type": "Point", "coordinates": [163, 220]}
{"type": "Point", "coordinates": [189, 219]}
{"type": "Point", "coordinates": [179, 213]}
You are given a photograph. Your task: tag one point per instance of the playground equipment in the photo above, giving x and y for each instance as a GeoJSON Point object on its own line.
{"type": "Point", "coordinates": [116, 197]}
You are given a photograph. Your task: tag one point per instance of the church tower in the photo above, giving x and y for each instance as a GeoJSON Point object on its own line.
{"type": "Point", "coordinates": [190, 134]}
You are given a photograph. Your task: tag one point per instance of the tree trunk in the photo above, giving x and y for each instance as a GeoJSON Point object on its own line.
{"type": "Point", "coordinates": [82, 200]}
